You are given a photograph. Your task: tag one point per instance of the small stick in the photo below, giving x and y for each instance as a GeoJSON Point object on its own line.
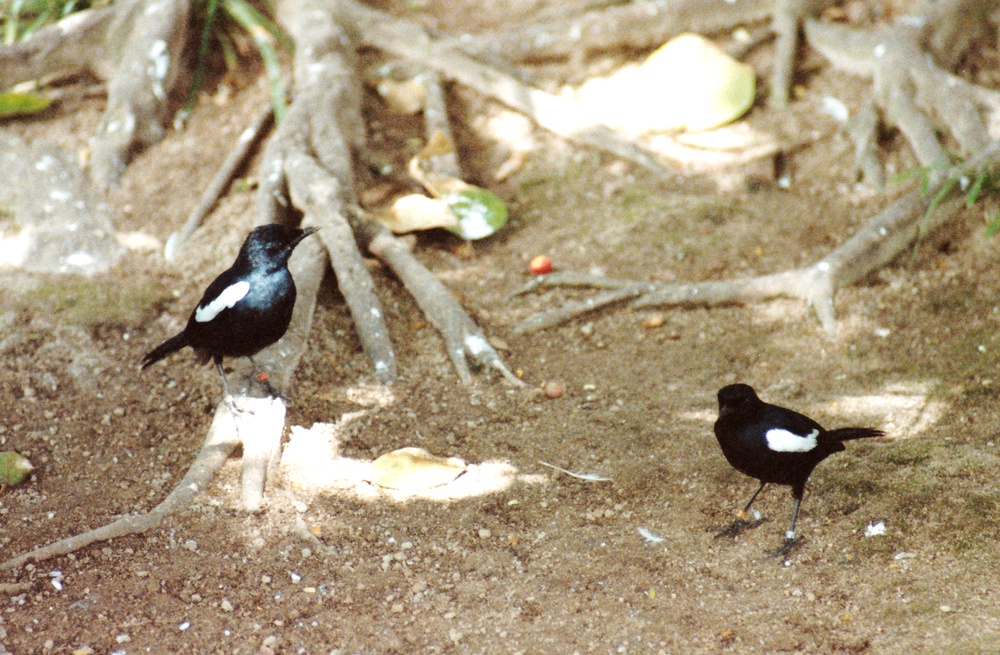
{"type": "Point", "coordinates": [234, 161]}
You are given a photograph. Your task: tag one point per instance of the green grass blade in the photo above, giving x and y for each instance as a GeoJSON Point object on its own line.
{"type": "Point", "coordinates": [205, 39]}
{"type": "Point", "coordinates": [994, 226]}
{"type": "Point", "coordinates": [946, 188]}
{"type": "Point", "coordinates": [973, 195]}
{"type": "Point", "coordinates": [256, 24]}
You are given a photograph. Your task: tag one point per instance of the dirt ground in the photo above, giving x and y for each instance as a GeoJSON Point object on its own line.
{"type": "Point", "coordinates": [540, 562]}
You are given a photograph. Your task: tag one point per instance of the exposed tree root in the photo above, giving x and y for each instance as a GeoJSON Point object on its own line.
{"type": "Point", "coordinates": [134, 45]}
{"type": "Point", "coordinates": [555, 113]}
{"type": "Point", "coordinates": [222, 439]}
{"type": "Point", "coordinates": [914, 92]}
{"type": "Point", "coordinates": [630, 25]}
{"type": "Point", "coordinates": [875, 245]}
{"type": "Point", "coordinates": [217, 187]}
{"type": "Point", "coordinates": [308, 165]}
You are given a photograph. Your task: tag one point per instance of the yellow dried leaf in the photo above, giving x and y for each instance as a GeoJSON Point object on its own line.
{"type": "Point", "coordinates": [418, 212]}
{"type": "Point", "coordinates": [413, 469]}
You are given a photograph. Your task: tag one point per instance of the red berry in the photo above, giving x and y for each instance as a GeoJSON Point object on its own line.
{"type": "Point", "coordinates": [540, 265]}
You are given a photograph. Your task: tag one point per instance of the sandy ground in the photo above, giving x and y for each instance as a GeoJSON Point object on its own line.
{"type": "Point", "coordinates": [517, 557]}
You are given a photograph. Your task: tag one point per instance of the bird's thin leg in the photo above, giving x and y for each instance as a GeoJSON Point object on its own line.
{"type": "Point", "coordinates": [743, 512]}
{"type": "Point", "coordinates": [741, 524]}
{"type": "Point", "coordinates": [790, 540]}
{"type": "Point", "coordinates": [226, 396]}
{"type": "Point", "coordinates": [262, 378]}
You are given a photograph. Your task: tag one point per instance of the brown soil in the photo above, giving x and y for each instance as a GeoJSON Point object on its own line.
{"type": "Point", "coordinates": [548, 563]}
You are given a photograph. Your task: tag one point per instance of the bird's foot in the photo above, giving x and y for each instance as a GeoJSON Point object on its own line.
{"type": "Point", "coordinates": [238, 409]}
{"type": "Point", "coordinates": [264, 382]}
{"type": "Point", "coordinates": [790, 544]}
{"type": "Point", "coordinates": [738, 526]}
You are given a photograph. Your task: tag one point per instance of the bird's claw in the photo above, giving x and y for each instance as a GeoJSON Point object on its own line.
{"type": "Point", "coordinates": [785, 549]}
{"type": "Point", "coordinates": [738, 526]}
{"type": "Point", "coordinates": [271, 391]}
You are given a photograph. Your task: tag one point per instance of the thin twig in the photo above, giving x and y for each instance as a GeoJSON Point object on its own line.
{"type": "Point", "coordinates": [234, 161]}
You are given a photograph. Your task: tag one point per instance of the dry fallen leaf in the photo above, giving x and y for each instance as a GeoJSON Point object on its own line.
{"type": "Point", "coordinates": [412, 469]}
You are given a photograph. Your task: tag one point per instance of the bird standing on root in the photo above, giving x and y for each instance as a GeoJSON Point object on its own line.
{"type": "Point", "coordinates": [774, 444]}
{"type": "Point", "coordinates": [247, 308]}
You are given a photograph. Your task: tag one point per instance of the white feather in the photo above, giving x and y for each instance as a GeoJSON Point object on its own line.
{"type": "Point", "coordinates": [783, 441]}
{"type": "Point", "coordinates": [229, 297]}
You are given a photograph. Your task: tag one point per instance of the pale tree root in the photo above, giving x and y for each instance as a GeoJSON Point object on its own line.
{"type": "Point", "coordinates": [884, 236]}
{"type": "Point", "coordinates": [912, 91]}
{"type": "Point", "coordinates": [257, 425]}
{"type": "Point", "coordinates": [235, 160]}
{"type": "Point", "coordinates": [635, 25]}
{"type": "Point", "coordinates": [464, 340]}
{"type": "Point", "coordinates": [135, 45]}
{"type": "Point", "coordinates": [222, 439]}
{"type": "Point", "coordinates": [557, 114]}
{"type": "Point", "coordinates": [307, 166]}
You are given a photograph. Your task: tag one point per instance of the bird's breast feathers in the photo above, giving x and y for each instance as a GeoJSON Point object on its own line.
{"type": "Point", "coordinates": [782, 441]}
{"type": "Point", "coordinates": [230, 296]}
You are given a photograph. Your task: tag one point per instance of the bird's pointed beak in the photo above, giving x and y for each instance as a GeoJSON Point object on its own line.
{"type": "Point", "coordinates": [306, 231]}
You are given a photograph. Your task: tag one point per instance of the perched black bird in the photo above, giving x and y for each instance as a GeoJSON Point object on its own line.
{"type": "Point", "coordinates": [247, 308]}
{"type": "Point", "coordinates": [774, 444]}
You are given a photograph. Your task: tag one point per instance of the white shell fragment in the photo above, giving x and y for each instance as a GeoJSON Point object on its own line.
{"type": "Point", "coordinates": [875, 529]}
{"type": "Point", "coordinates": [650, 536]}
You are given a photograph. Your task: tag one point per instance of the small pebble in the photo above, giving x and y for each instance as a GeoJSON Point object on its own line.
{"type": "Point", "coordinates": [484, 533]}
{"type": "Point", "coordinates": [553, 390]}
{"type": "Point", "coordinates": [654, 321]}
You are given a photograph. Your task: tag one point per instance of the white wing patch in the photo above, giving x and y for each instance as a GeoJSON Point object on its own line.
{"type": "Point", "coordinates": [783, 441]}
{"type": "Point", "coordinates": [229, 297]}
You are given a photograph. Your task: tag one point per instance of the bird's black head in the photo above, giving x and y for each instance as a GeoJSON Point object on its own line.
{"type": "Point", "coordinates": [736, 398]}
{"type": "Point", "coordinates": [271, 245]}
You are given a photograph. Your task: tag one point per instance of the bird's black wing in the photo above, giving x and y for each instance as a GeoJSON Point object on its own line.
{"type": "Point", "coordinates": [787, 419]}
{"type": "Point", "coordinates": [225, 280]}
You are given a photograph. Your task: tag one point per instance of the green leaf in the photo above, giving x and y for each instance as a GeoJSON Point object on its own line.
{"type": "Point", "coordinates": [480, 212]}
{"type": "Point", "coordinates": [13, 468]}
{"type": "Point", "coordinates": [22, 104]}
{"type": "Point", "coordinates": [973, 195]}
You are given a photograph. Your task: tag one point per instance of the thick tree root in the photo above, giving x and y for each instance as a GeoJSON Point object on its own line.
{"type": "Point", "coordinates": [464, 340]}
{"type": "Point", "coordinates": [134, 45]}
{"type": "Point", "coordinates": [884, 236]}
{"type": "Point", "coordinates": [914, 92]}
{"type": "Point", "coordinates": [224, 435]}
{"type": "Point", "coordinates": [635, 25]}
{"type": "Point", "coordinates": [220, 183]}
{"type": "Point", "coordinates": [554, 113]}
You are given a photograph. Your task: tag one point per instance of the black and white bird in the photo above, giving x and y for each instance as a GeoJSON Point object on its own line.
{"type": "Point", "coordinates": [247, 308]}
{"type": "Point", "coordinates": [775, 445]}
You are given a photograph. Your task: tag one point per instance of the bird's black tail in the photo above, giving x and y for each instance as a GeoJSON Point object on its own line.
{"type": "Point", "coordinates": [850, 434]}
{"type": "Point", "coordinates": [168, 347]}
